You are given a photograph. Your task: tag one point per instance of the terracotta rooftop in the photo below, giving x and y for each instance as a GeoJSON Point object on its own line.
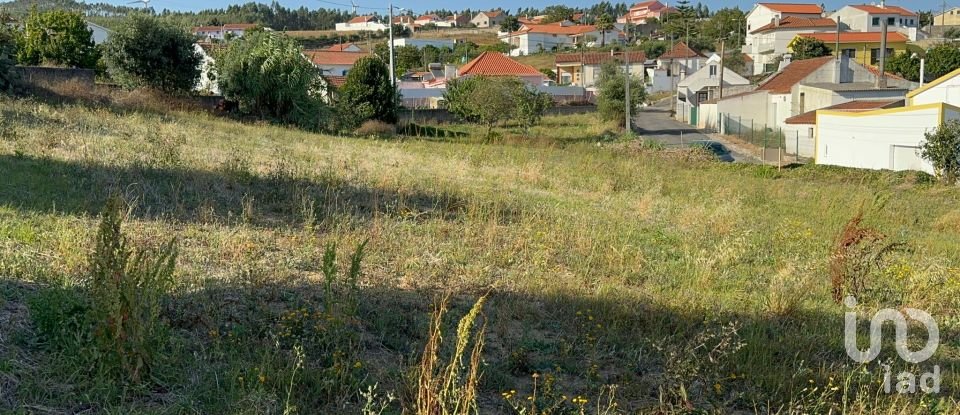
{"type": "Point", "coordinates": [810, 117]}
{"type": "Point", "coordinates": [796, 71]}
{"type": "Point", "coordinates": [856, 37]}
{"type": "Point", "coordinates": [340, 47]}
{"type": "Point", "coordinates": [360, 19]}
{"type": "Point", "coordinates": [495, 13]}
{"type": "Point", "coordinates": [597, 58]}
{"type": "Point", "coordinates": [869, 8]}
{"type": "Point", "coordinates": [680, 51]}
{"type": "Point", "coordinates": [329, 57]}
{"type": "Point", "coordinates": [338, 81]}
{"type": "Point", "coordinates": [797, 8]}
{"type": "Point", "coordinates": [556, 29]}
{"type": "Point", "coordinates": [496, 64]}
{"type": "Point", "coordinates": [795, 22]}
{"type": "Point", "coordinates": [655, 4]}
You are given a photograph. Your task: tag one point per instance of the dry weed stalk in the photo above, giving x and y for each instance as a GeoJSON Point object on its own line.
{"type": "Point", "coordinates": [451, 389]}
{"type": "Point", "coordinates": [858, 251]}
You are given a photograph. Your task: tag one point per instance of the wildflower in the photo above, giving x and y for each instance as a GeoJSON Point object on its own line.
{"type": "Point", "coordinates": [263, 378]}
{"type": "Point", "coordinates": [716, 387]}
{"type": "Point", "coordinates": [358, 365]}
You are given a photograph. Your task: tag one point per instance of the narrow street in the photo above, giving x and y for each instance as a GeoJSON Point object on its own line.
{"type": "Point", "coordinates": [654, 122]}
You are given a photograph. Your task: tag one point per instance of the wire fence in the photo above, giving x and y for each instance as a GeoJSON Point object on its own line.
{"type": "Point", "coordinates": [773, 143]}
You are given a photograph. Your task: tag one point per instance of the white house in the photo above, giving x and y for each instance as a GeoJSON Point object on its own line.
{"type": "Point", "coordinates": [362, 24]}
{"type": "Point", "coordinates": [868, 18]}
{"type": "Point", "coordinates": [536, 38]}
{"type": "Point", "coordinates": [491, 18]}
{"type": "Point", "coordinates": [643, 12]}
{"type": "Point", "coordinates": [704, 85]}
{"type": "Point", "coordinates": [672, 67]}
{"type": "Point", "coordinates": [333, 63]}
{"type": "Point", "coordinates": [806, 85]}
{"type": "Point", "coordinates": [800, 130]}
{"type": "Point", "coordinates": [223, 31]}
{"type": "Point", "coordinates": [764, 40]}
{"type": "Point", "coordinates": [98, 33]}
{"type": "Point", "coordinates": [888, 138]}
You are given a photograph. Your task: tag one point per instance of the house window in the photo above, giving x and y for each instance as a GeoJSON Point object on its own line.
{"type": "Point", "coordinates": [850, 53]}
{"type": "Point", "coordinates": [891, 21]}
{"type": "Point", "coordinates": [701, 96]}
{"type": "Point", "coordinates": [876, 21]}
{"type": "Point", "coordinates": [803, 98]}
{"type": "Point", "coordinates": [875, 55]}
{"type": "Point", "coordinates": [713, 70]}
{"type": "Point", "coordinates": [809, 130]}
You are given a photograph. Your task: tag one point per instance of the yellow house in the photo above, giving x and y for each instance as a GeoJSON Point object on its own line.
{"type": "Point", "coordinates": [863, 47]}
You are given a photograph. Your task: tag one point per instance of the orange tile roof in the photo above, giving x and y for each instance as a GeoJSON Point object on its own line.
{"type": "Point", "coordinates": [681, 51]}
{"type": "Point", "coordinates": [361, 19]}
{"type": "Point", "coordinates": [647, 5]}
{"type": "Point", "coordinates": [597, 58]}
{"type": "Point", "coordinates": [856, 37]}
{"type": "Point", "coordinates": [232, 26]}
{"type": "Point", "coordinates": [338, 81]}
{"type": "Point", "coordinates": [792, 74]}
{"type": "Point", "coordinates": [795, 22]}
{"type": "Point", "coordinates": [876, 72]}
{"type": "Point", "coordinates": [340, 47]}
{"type": "Point", "coordinates": [435, 17]}
{"type": "Point", "coordinates": [496, 64]}
{"type": "Point", "coordinates": [746, 58]}
{"type": "Point", "coordinates": [798, 8]}
{"type": "Point", "coordinates": [329, 57]}
{"type": "Point", "coordinates": [869, 8]}
{"type": "Point", "coordinates": [810, 117]}
{"type": "Point", "coordinates": [495, 13]}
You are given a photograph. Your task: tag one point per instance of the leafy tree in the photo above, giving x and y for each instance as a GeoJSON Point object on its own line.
{"type": "Point", "coordinates": [557, 13]}
{"type": "Point", "coordinates": [654, 48]}
{"type": "Point", "coordinates": [400, 30]}
{"type": "Point", "coordinates": [367, 94]}
{"type": "Point", "coordinates": [490, 101]}
{"type": "Point", "coordinates": [729, 23]}
{"type": "Point", "coordinates": [604, 24]}
{"type": "Point", "coordinates": [735, 62]}
{"type": "Point", "coordinates": [267, 75]}
{"type": "Point", "coordinates": [510, 24]}
{"type": "Point", "coordinates": [942, 150]}
{"type": "Point", "coordinates": [941, 60]}
{"type": "Point", "coordinates": [406, 58]}
{"type": "Point", "coordinates": [57, 37]}
{"type": "Point", "coordinates": [683, 23]}
{"type": "Point", "coordinates": [611, 91]}
{"type": "Point", "coordinates": [905, 65]}
{"type": "Point", "coordinates": [807, 48]}
{"type": "Point", "coordinates": [145, 51]}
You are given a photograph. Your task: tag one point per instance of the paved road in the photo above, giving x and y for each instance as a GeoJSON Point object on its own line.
{"type": "Point", "coordinates": [654, 122]}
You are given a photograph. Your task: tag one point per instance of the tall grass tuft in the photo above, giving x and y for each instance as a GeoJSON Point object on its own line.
{"type": "Point", "coordinates": [126, 287]}
{"type": "Point", "coordinates": [451, 389]}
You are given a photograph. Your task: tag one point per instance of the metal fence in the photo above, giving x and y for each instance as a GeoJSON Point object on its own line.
{"type": "Point", "coordinates": [773, 143]}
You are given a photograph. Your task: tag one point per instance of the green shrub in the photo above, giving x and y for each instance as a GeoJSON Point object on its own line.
{"type": "Point", "coordinates": [57, 37]}
{"type": "Point", "coordinates": [367, 94]}
{"type": "Point", "coordinates": [60, 316]}
{"type": "Point", "coordinates": [126, 287]}
{"type": "Point", "coordinates": [611, 93]}
{"type": "Point", "coordinates": [148, 52]}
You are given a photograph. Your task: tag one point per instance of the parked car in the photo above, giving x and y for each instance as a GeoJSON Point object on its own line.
{"type": "Point", "coordinates": [716, 148]}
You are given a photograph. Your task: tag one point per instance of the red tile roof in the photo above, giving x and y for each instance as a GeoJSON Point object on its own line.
{"type": "Point", "coordinates": [432, 17]}
{"type": "Point", "coordinates": [796, 8]}
{"type": "Point", "coordinates": [328, 57]}
{"type": "Point", "coordinates": [810, 117]}
{"type": "Point", "coordinates": [653, 4]}
{"type": "Point", "coordinates": [597, 58]}
{"type": "Point", "coordinates": [338, 81]}
{"type": "Point", "coordinates": [876, 72]}
{"type": "Point", "coordinates": [233, 26]}
{"type": "Point", "coordinates": [495, 13]}
{"type": "Point", "coordinates": [340, 47]}
{"type": "Point", "coordinates": [792, 74]}
{"type": "Point", "coordinates": [856, 37]}
{"type": "Point", "coordinates": [869, 8]}
{"type": "Point", "coordinates": [681, 51]}
{"type": "Point", "coordinates": [746, 58]}
{"type": "Point", "coordinates": [795, 22]}
{"type": "Point", "coordinates": [361, 19]}
{"type": "Point", "coordinates": [496, 64]}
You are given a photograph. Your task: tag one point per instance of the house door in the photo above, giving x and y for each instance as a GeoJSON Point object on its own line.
{"type": "Point", "coordinates": [905, 158]}
{"type": "Point", "coordinates": [693, 115]}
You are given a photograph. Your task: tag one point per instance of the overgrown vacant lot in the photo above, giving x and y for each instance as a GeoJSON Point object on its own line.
{"type": "Point", "coordinates": [690, 285]}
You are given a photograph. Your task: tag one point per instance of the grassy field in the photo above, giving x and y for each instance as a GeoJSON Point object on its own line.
{"type": "Point", "coordinates": [539, 61]}
{"type": "Point", "coordinates": [614, 273]}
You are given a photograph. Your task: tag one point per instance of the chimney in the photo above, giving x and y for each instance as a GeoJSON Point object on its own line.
{"type": "Point", "coordinates": [450, 71]}
{"type": "Point", "coordinates": [881, 77]}
{"type": "Point", "coordinates": [776, 21]}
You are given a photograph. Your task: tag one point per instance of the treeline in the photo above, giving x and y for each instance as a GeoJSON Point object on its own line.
{"type": "Point", "coordinates": [274, 16]}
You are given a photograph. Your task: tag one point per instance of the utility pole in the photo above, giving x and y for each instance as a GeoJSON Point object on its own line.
{"type": "Point", "coordinates": [881, 77]}
{"type": "Point", "coordinates": [626, 89]}
{"type": "Point", "coordinates": [392, 75]}
{"type": "Point", "coordinates": [720, 93]}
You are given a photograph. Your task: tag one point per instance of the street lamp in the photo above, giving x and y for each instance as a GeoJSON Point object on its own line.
{"type": "Point", "coordinates": [393, 78]}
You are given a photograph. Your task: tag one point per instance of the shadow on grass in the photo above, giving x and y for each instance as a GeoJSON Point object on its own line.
{"type": "Point", "coordinates": [429, 131]}
{"type": "Point", "coordinates": [223, 329]}
{"type": "Point", "coordinates": [231, 194]}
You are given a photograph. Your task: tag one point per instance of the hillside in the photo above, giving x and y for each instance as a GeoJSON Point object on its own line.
{"type": "Point", "coordinates": [689, 285]}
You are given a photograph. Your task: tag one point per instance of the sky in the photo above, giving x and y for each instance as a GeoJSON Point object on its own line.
{"type": "Point", "coordinates": [421, 5]}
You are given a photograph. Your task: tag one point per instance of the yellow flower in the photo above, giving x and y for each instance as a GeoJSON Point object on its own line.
{"type": "Point", "coordinates": [358, 365]}
{"type": "Point", "coordinates": [263, 378]}
{"type": "Point", "coordinates": [716, 387]}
